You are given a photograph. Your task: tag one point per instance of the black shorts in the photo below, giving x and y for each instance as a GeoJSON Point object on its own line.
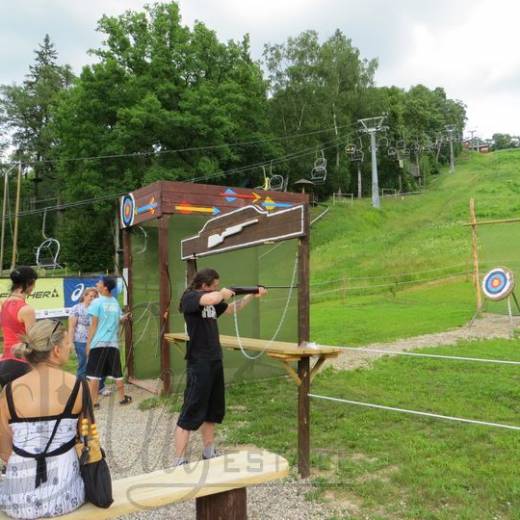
{"type": "Point", "coordinates": [204, 399]}
{"type": "Point", "coordinates": [10, 369]}
{"type": "Point", "coordinates": [104, 362]}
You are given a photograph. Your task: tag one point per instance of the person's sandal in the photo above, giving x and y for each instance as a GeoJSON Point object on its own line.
{"type": "Point", "coordinates": [96, 406]}
{"type": "Point", "coordinates": [126, 400]}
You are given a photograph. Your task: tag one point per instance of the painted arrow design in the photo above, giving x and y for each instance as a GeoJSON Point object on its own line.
{"type": "Point", "coordinates": [232, 195]}
{"type": "Point", "coordinates": [269, 204]}
{"type": "Point", "coordinates": [151, 207]}
{"type": "Point", "coordinates": [188, 208]}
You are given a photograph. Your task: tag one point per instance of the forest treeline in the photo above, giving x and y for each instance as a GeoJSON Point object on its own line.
{"type": "Point", "coordinates": [165, 101]}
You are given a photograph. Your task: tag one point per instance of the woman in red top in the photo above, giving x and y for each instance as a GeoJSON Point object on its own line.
{"type": "Point", "coordinates": [16, 318]}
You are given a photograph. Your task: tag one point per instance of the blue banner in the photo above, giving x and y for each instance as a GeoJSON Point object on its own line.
{"type": "Point", "coordinates": [75, 287]}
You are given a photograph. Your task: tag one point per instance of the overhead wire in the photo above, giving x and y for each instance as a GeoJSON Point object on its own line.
{"type": "Point", "coordinates": [187, 149]}
{"type": "Point", "coordinates": [239, 170]}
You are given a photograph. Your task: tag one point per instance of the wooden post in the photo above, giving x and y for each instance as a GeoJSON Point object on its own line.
{"type": "Point", "coordinates": [117, 245]}
{"type": "Point", "coordinates": [191, 270]}
{"type": "Point", "coordinates": [164, 303]}
{"type": "Point", "coordinates": [303, 363]}
{"type": "Point", "coordinates": [229, 505]}
{"type": "Point", "coordinates": [127, 264]}
{"type": "Point", "coordinates": [4, 217]}
{"type": "Point", "coordinates": [476, 276]}
{"type": "Point", "coordinates": [16, 215]}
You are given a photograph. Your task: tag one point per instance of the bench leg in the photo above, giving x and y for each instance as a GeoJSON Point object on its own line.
{"type": "Point", "coordinates": [230, 505]}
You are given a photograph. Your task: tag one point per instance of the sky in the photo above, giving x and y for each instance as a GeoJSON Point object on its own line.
{"type": "Point", "coordinates": [468, 47]}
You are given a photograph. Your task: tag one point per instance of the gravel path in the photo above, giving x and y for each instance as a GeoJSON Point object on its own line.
{"type": "Point", "coordinates": [488, 327]}
{"type": "Point", "coordinates": [138, 442]}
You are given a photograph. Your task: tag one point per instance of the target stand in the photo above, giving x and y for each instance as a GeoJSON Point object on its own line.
{"type": "Point", "coordinates": [499, 284]}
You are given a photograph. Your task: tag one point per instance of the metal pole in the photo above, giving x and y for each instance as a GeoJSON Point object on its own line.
{"type": "Point", "coordinates": [375, 181]}
{"type": "Point", "coordinates": [452, 161]}
{"type": "Point", "coordinates": [4, 218]}
{"type": "Point", "coordinates": [359, 187]}
{"type": "Point", "coordinates": [16, 216]}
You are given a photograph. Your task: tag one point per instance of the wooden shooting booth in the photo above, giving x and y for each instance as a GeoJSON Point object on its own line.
{"type": "Point", "coordinates": [251, 237]}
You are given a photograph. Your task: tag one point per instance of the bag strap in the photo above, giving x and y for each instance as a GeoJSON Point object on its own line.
{"type": "Point", "coordinates": [10, 401]}
{"type": "Point", "coordinates": [87, 410]}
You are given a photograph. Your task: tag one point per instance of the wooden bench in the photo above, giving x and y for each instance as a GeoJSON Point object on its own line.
{"type": "Point", "coordinates": [218, 485]}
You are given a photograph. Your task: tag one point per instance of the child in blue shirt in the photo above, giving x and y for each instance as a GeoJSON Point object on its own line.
{"type": "Point", "coordinates": [104, 359]}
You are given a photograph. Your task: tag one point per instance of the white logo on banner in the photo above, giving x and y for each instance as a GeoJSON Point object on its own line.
{"type": "Point", "coordinates": [77, 292]}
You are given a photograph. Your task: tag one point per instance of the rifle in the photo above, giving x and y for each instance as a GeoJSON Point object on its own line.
{"type": "Point", "coordinates": [254, 288]}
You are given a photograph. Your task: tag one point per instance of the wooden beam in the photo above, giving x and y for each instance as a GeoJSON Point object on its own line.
{"type": "Point", "coordinates": [284, 348]}
{"type": "Point", "coordinates": [497, 221]}
{"type": "Point", "coordinates": [127, 264]}
{"type": "Point", "coordinates": [290, 370]}
{"type": "Point", "coordinates": [317, 366]}
{"type": "Point", "coordinates": [164, 303]}
{"type": "Point", "coordinates": [149, 491]}
{"type": "Point", "coordinates": [474, 242]}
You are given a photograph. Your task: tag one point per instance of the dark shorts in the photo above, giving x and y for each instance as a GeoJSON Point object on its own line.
{"type": "Point", "coordinates": [10, 369]}
{"type": "Point", "coordinates": [104, 362]}
{"type": "Point", "coordinates": [204, 399]}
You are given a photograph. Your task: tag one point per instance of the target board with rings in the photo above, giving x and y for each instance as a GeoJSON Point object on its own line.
{"type": "Point", "coordinates": [127, 210]}
{"type": "Point", "coordinates": [498, 283]}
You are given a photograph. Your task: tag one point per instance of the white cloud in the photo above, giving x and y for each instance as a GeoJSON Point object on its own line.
{"type": "Point", "coordinates": [474, 58]}
{"type": "Point", "coordinates": [469, 47]}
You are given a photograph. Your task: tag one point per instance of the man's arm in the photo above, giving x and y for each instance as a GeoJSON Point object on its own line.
{"type": "Point", "coordinates": [216, 297]}
{"type": "Point", "coordinates": [240, 304]}
{"type": "Point", "coordinates": [91, 331]}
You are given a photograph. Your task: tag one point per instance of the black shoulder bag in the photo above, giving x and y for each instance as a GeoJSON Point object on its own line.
{"type": "Point", "coordinates": [92, 464]}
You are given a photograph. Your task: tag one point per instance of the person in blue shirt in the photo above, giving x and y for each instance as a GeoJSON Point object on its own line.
{"type": "Point", "coordinates": [104, 359]}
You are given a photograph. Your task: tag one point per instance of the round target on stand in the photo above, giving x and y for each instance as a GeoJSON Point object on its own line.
{"type": "Point", "coordinates": [498, 283]}
{"type": "Point", "coordinates": [127, 210]}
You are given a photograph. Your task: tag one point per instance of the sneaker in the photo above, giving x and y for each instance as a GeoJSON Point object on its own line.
{"type": "Point", "coordinates": [180, 462]}
{"type": "Point", "coordinates": [215, 454]}
{"type": "Point", "coordinates": [106, 391]}
{"type": "Point", "coordinates": [126, 400]}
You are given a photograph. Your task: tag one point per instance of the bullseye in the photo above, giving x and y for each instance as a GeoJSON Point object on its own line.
{"type": "Point", "coordinates": [127, 211]}
{"type": "Point", "coordinates": [498, 283]}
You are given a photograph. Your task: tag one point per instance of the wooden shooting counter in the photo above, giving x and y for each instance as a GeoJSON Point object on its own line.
{"type": "Point", "coordinates": [286, 353]}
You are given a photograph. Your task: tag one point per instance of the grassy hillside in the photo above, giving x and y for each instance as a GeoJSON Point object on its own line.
{"type": "Point", "coordinates": [406, 269]}
{"type": "Point", "coordinates": [419, 236]}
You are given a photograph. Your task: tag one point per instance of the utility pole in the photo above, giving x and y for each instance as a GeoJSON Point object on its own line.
{"type": "Point", "coordinates": [372, 125]}
{"type": "Point", "coordinates": [16, 214]}
{"type": "Point", "coordinates": [4, 218]}
{"type": "Point", "coordinates": [451, 129]}
{"type": "Point", "coordinates": [472, 132]}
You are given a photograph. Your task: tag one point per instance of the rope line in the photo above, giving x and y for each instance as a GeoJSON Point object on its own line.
{"type": "Point", "coordinates": [432, 356]}
{"type": "Point", "coordinates": [416, 412]}
{"type": "Point", "coordinates": [280, 323]}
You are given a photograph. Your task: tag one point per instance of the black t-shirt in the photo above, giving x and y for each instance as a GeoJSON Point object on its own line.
{"type": "Point", "coordinates": [201, 322]}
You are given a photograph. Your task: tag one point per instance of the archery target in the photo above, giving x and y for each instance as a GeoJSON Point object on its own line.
{"type": "Point", "coordinates": [498, 283]}
{"type": "Point", "coordinates": [127, 208]}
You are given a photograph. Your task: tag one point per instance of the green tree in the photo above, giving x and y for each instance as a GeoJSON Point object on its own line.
{"type": "Point", "coordinates": [158, 86]}
{"type": "Point", "coordinates": [317, 86]}
{"type": "Point", "coordinates": [26, 121]}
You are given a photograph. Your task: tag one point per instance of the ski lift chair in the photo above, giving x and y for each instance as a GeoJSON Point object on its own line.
{"type": "Point", "coordinates": [47, 254]}
{"type": "Point", "coordinates": [48, 251]}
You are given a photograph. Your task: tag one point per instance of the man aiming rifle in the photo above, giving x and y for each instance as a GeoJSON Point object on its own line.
{"type": "Point", "coordinates": [204, 400]}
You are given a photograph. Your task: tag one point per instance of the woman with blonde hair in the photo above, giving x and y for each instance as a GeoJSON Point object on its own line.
{"type": "Point", "coordinates": [79, 322]}
{"type": "Point", "coordinates": [38, 423]}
